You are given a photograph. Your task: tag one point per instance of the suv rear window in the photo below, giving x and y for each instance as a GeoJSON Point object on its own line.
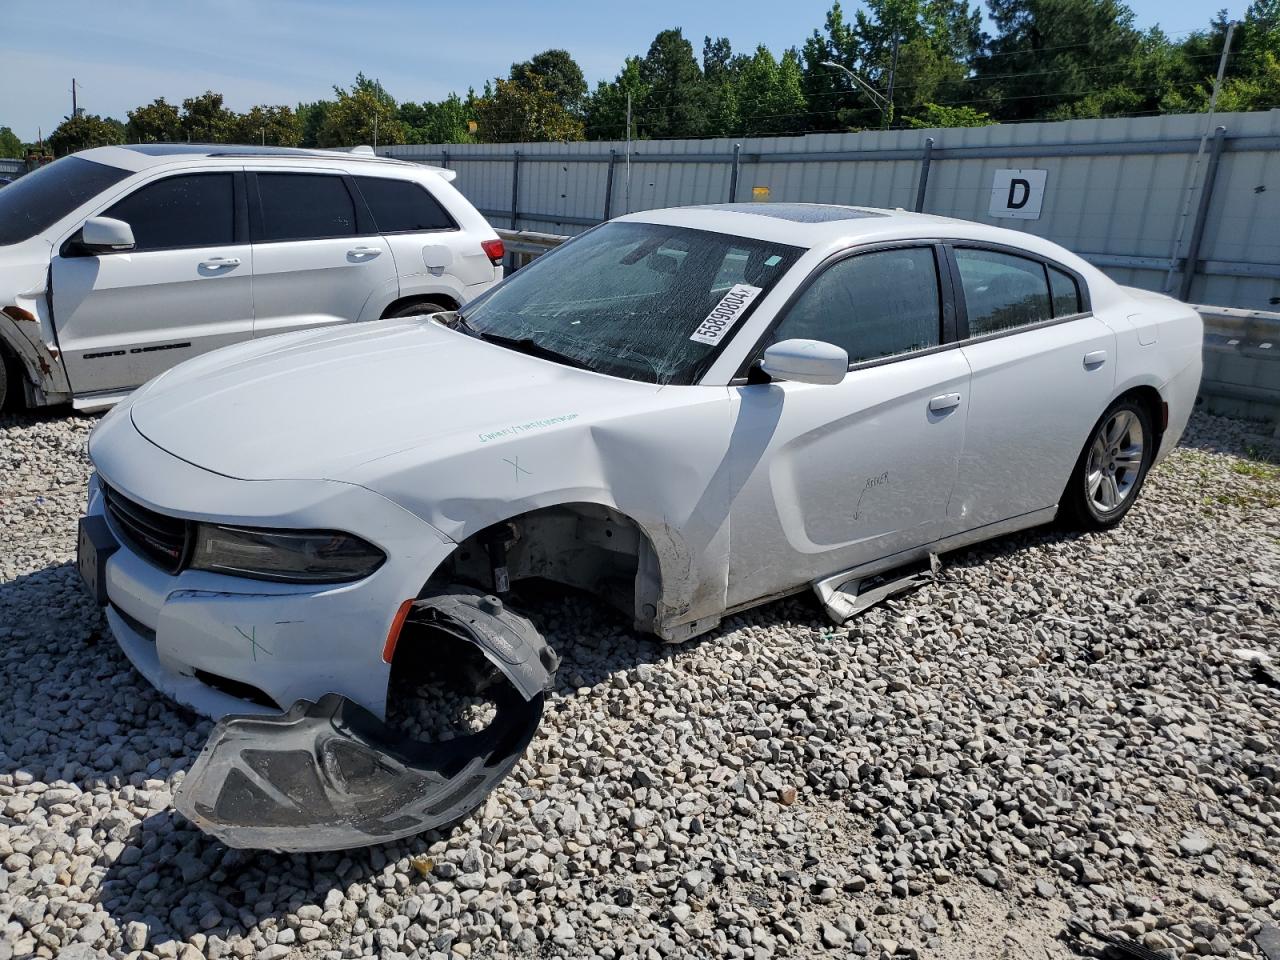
{"type": "Point", "coordinates": [42, 198]}
{"type": "Point", "coordinates": [402, 206]}
{"type": "Point", "coordinates": [305, 206]}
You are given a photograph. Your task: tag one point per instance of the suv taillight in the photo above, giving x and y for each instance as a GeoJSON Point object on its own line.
{"type": "Point", "coordinates": [494, 250]}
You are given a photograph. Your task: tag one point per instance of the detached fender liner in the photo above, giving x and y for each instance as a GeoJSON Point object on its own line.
{"type": "Point", "coordinates": [330, 775]}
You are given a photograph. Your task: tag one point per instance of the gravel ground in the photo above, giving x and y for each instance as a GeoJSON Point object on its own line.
{"type": "Point", "coordinates": [1057, 727]}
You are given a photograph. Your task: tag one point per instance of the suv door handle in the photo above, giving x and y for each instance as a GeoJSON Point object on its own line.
{"type": "Point", "coordinates": [364, 253]}
{"type": "Point", "coordinates": [948, 401]}
{"type": "Point", "coordinates": [1095, 359]}
{"type": "Point", "coordinates": [218, 263]}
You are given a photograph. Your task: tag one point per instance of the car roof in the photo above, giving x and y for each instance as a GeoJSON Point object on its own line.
{"type": "Point", "coordinates": [828, 226]}
{"type": "Point", "coordinates": [141, 156]}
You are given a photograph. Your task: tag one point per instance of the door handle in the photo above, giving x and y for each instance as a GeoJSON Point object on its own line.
{"type": "Point", "coordinates": [1095, 359]}
{"type": "Point", "coordinates": [364, 253]}
{"type": "Point", "coordinates": [219, 263]}
{"type": "Point", "coordinates": [948, 401]}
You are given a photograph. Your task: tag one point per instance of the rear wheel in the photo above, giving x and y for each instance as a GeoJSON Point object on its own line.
{"type": "Point", "coordinates": [1111, 468]}
{"type": "Point", "coordinates": [420, 307]}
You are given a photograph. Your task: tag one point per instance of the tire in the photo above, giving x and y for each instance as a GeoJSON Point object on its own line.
{"type": "Point", "coordinates": [416, 308]}
{"type": "Point", "coordinates": [1111, 469]}
{"type": "Point", "coordinates": [4, 382]}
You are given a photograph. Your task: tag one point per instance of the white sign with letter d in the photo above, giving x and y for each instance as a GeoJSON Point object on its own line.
{"type": "Point", "coordinates": [1018, 194]}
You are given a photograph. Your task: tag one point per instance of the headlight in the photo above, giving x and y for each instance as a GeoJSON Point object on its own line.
{"type": "Point", "coordinates": [303, 556]}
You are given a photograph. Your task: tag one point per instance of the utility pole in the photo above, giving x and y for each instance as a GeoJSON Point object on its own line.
{"type": "Point", "coordinates": [1195, 169]}
{"type": "Point", "coordinates": [628, 190]}
{"type": "Point", "coordinates": [893, 69]}
{"type": "Point", "coordinates": [75, 110]}
{"type": "Point", "coordinates": [375, 128]}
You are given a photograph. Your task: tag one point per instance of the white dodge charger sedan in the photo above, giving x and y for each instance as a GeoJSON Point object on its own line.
{"type": "Point", "coordinates": [686, 412]}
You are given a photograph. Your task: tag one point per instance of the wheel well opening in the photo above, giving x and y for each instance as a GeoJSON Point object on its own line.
{"type": "Point", "coordinates": [449, 303]}
{"type": "Point", "coordinates": [585, 546]}
{"type": "Point", "coordinates": [1153, 403]}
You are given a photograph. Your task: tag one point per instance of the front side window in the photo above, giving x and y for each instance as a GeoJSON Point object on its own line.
{"type": "Point", "coordinates": [874, 305]}
{"type": "Point", "coordinates": [197, 210]}
{"type": "Point", "coordinates": [1002, 291]}
{"type": "Point", "coordinates": [637, 300]}
{"type": "Point", "coordinates": [305, 206]}
{"type": "Point", "coordinates": [43, 197]}
{"type": "Point", "coordinates": [402, 206]}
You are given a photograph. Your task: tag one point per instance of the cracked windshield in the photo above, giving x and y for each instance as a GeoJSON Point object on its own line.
{"type": "Point", "coordinates": [642, 301]}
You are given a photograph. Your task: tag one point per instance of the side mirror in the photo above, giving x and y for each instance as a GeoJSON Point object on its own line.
{"type": "Point", "coordinates": [105, 235]}
{"type": "Point", "coordinates": [805, 361]}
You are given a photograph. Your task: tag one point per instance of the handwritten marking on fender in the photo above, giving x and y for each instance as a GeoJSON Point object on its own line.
{"type": "Point", "coordinates": [725, 313]}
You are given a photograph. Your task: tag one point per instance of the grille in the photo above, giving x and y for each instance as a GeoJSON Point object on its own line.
{"type": "Point", "coordinates": [159, 538]}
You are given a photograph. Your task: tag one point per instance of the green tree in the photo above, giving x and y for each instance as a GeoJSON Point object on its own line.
{"type": "Point", "coordinates": [677, 100]}
{"type": "Point", "coordinates": [206, 120]}
{"type": "Point", "coordinates": [559, 74]}
{"type": "Point", "coordinates": [273, 126]}
{"type": "Point", "coordinates": [832, 104]}
{"type": "Point", "coordinates": [932, 115]}
{"type": "Point", "coordinates": [1249, 80]}
{"type": "Point", "coordinates": [10, 145]}
{"type": "Point", "coordinates": [445, 122]}
{"type": "Point", "coordinates": [524, 112]}
{"type": "Point", "coordinates": [365, 114]}
{"type": "Point", "coordinates": [606, 110]}
{"type": "Point", "coordinates": [83, 131]}
{"type": "Point", "coordinates": [156, 122]}
{"type": "Point", "coordinates": [768, 94]}
{"type": "Point", "coordinates": [311, 117]}
{"type": "Point", "coordinates": [1049, 55]}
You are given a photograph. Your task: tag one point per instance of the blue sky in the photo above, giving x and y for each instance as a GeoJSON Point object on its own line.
{"type": "Point", "coordinates": [127, 52]}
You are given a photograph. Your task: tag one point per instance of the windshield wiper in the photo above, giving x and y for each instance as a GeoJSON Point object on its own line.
{"type": "Point", "coordinates": [530, 347]}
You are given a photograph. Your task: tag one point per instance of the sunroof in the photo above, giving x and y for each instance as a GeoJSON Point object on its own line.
{"type": "Point", "coordinates": [797, 212]}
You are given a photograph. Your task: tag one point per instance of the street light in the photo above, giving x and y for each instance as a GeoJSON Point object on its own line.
{"type": "Point", "coordinates": [886, 108]}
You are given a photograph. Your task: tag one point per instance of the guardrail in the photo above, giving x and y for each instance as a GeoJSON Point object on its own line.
{"type": "Point", "coordinates": [524, 245]}
{"type": "Point", "coordinates": [1241, 347]}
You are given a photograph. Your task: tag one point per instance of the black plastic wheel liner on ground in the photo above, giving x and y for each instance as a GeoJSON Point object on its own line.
{"type": "Point", "coordinates": [330, 775]}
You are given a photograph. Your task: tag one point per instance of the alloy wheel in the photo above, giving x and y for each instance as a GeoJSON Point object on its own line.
{"type": "Point", "coordinates": [1115, 461]}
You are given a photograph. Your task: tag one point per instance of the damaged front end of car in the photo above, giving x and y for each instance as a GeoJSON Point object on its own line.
{"type": "Point", "coordinates": [330, 775]}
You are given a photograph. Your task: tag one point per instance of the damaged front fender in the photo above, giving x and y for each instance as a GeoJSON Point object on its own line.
{"type": "Point", "coordinates": [330, 775]}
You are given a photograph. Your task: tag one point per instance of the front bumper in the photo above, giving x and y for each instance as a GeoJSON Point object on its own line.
{"type": "Point", "coordinates": [229, 645]}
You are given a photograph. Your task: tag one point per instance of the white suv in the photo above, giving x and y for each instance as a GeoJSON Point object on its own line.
{"type": "Point", "coordinates": [119, 262]}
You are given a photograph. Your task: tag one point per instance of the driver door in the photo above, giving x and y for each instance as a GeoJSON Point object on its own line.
{"type": "Point", "coordinates": [185, 288]}
{"type": "Point", "coordinates": [834, 476]}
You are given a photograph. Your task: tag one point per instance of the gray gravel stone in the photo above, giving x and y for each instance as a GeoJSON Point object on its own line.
{"type": "Point", "coordinates": [1054, 717]}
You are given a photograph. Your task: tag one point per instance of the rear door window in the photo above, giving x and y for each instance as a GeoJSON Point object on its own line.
{"type": "Point", "coordinates": [1002, 291]}
{"type": "Point", "coordinates": [305, 206]}
{"type": "Point", "coordinates": [402, 206]}
{"type": "Point", "coordinates": [1066, 294]}
{"type": "Point", "coordinates": [195, 210]}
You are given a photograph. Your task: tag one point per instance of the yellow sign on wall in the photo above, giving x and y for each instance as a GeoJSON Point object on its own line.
{"type": "Point", "coordinates": [759, 194]}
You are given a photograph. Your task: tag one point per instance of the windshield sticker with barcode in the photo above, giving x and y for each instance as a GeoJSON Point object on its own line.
{"type": "Point", "coordinates": [725, 313]}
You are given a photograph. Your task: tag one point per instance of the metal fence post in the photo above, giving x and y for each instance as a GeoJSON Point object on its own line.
{"type": "Point", "coordinates": [444, 159]}
{"type": "Point", "coordinates": [923, 185]}
{"type": "Point", "coordinates": [733, 177]}
{"type": "Point", "coordinates": [608, 184]}
{"type": "Point", "coordinates": [515, 187]}
{"type": "Point", "coordinates": [1202, 215]}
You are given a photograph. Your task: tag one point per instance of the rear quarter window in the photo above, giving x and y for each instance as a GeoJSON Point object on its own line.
{"type": "Point", "coordinates": [403, 206]}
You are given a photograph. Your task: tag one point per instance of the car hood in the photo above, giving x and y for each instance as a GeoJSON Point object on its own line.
{"type": "Point", "coordinates": [317, 405]}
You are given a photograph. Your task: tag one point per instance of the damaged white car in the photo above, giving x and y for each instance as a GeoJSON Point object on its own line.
{"type": "Point", "coordinates": [686, 412]}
